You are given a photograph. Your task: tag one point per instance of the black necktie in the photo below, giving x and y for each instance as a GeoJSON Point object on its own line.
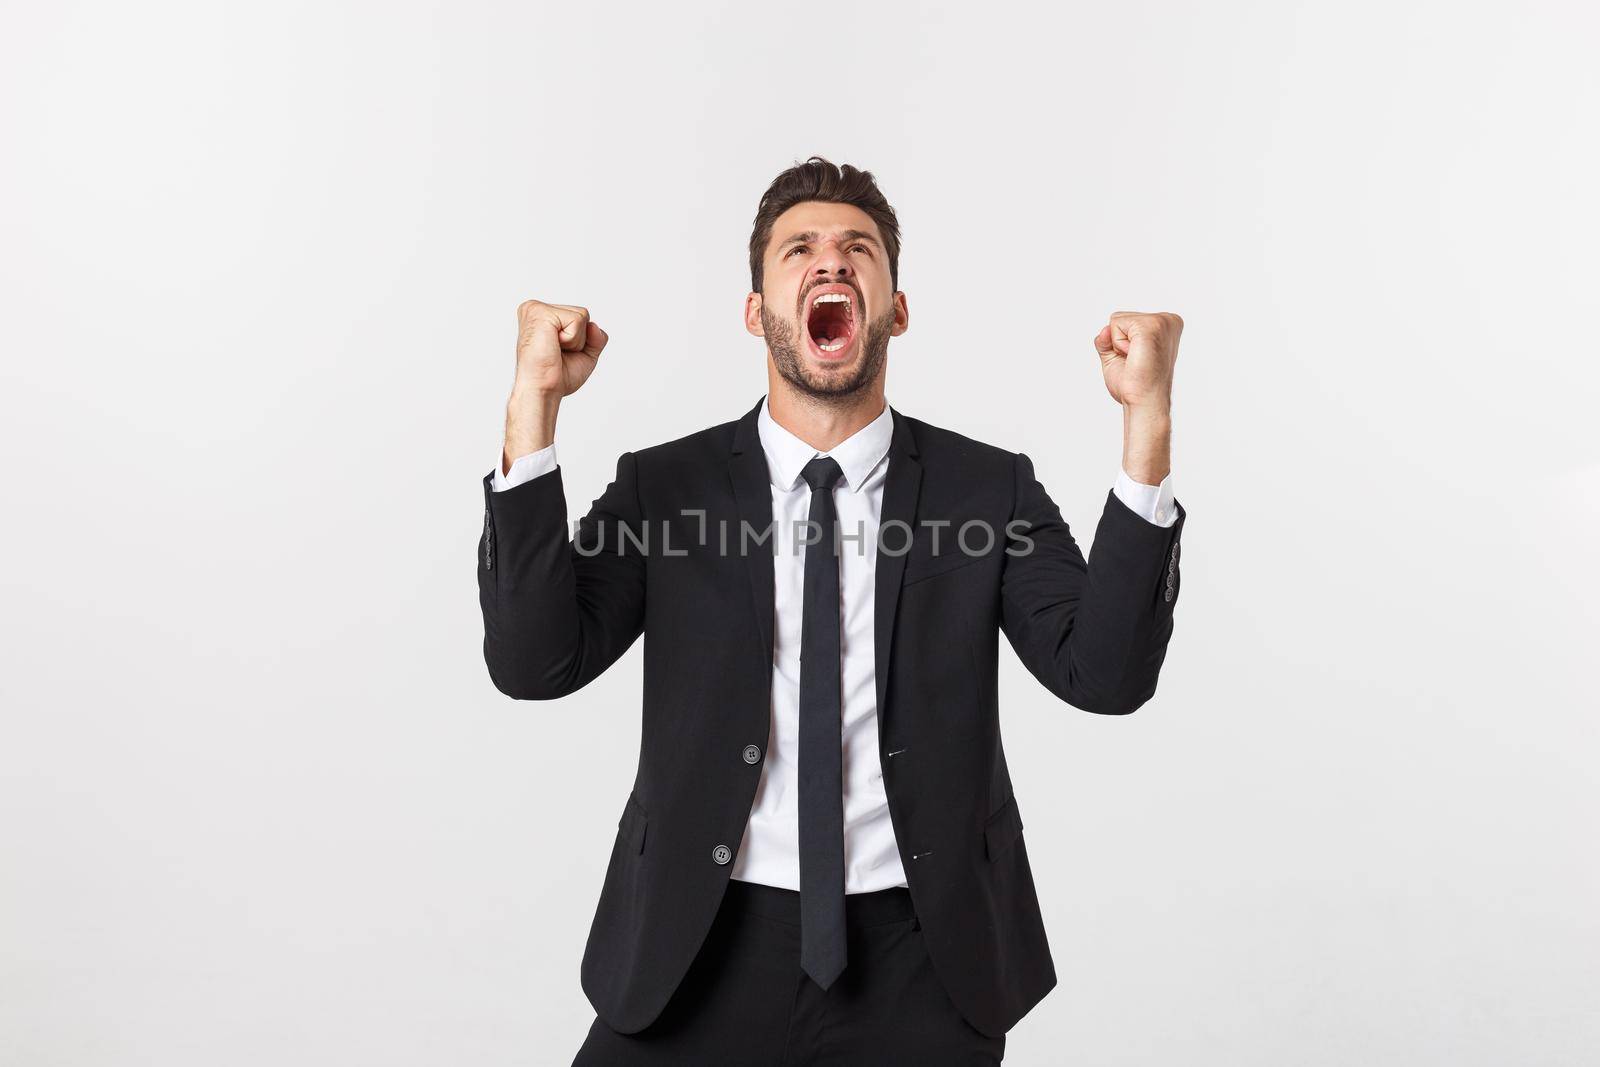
{"type": "Point", "coordinates": [822, 944]}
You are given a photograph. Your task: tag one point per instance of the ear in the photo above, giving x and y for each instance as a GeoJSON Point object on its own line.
{"type": "Point", "coordinates": [752, 315]}
{"type": "Point", "coordinates": [902, 315]}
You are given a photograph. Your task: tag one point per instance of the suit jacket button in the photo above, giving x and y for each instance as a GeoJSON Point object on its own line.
{"type": "Point", "coordinates": [722, 854]}
{"type": "Point", "coordinates": [752, 754]}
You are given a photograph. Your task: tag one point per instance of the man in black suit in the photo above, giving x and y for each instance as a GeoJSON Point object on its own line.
{"type": "Point", "coordinates": [821, 859]}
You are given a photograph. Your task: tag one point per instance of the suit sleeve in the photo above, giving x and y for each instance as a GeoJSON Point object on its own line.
{"type": "Point", "coordinates": [557, 611]}
{"type": "Point", "coordinates": [1094, 634]}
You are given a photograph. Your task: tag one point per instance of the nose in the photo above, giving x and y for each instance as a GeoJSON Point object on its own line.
{"type": "Point", "coordinates": [832, 261]}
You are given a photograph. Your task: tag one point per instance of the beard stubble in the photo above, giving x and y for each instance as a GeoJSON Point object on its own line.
{"type": "Point", "coordinates": [784, 343]}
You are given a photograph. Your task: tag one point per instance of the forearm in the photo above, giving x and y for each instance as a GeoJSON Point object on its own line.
{"type": "Point", "coordinates": [530, 424]}
{"type": "Point", "coordinates": [558, 612]}
{"type": "Point", "coordinates": [526, 587]}
{"type": "Point", "coordinates": [1147, 442]}
{"type": "Point", "coordinates": [1094, 632]}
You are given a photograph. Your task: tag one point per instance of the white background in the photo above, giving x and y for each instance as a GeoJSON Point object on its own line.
{"type": "Point", "coordinates": [259, 802]}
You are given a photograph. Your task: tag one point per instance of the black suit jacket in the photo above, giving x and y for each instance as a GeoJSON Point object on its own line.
{"type": "Point", "coordinates": [648, 558]}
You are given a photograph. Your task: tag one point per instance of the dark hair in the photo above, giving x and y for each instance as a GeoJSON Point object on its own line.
{"type": "Point", "coordinates": [818, 179]}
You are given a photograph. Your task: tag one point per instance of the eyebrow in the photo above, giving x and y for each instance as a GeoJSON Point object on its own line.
{"type": "Point", "coordinates": [810, 236]}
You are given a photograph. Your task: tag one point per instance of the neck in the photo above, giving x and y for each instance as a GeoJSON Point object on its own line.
{"type": "Point", "coordinates": [821, 422]}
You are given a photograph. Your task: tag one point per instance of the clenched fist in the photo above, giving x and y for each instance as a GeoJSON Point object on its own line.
{"type": "Point", "coordinates": [1137, 354]}
{"type": "Point", "coordinates": [557, 349]}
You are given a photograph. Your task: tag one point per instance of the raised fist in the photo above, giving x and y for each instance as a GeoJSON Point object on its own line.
{"type": "Point", "coordinates": [557, 348]}
{"type": "Point", "coordinates": [1137, 355]}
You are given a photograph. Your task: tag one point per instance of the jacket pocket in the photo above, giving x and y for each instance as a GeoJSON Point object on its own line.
{"type": "Point", "coordinates": [1001, 829]}
{"type": "Point", "coordinates": [631, 827]}
{"type": "Point", "coordinates": [921, 569]}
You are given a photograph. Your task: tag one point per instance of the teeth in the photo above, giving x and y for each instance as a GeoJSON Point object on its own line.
{"type": "Point", "coordinates": [833, 347]}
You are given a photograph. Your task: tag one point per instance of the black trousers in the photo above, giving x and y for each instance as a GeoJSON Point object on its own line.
{"type": "Point", "coordinates": [746, 1003]}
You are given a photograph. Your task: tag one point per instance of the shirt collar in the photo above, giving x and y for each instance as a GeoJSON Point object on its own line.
{"type": "Point", "coordinates": [857, 454]}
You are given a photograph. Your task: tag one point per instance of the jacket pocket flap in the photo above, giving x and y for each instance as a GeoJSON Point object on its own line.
{"type": "Point", "coordinates": [920, 568]}
{"type": "Point", "coordinates": [1002, 828]}
{"type": "Point", "coordinates": [632, 824]}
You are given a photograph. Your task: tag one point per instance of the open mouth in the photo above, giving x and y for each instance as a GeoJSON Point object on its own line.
{"type": "Point", "coordinates": [830, 320]}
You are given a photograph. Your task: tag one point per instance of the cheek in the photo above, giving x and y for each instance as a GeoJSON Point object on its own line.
{"type": "Point", "coordinates": [881, 304]}
{"type": "Point", "coordinates": [784, 298]}
{"type": "Point", "coordinates": [779, 300]}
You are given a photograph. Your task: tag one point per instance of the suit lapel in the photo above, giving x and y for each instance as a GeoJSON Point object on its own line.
{"type": "Point", "coordinates": [902, 485]}
{"type": "Point", "coordinates": [752, 488]}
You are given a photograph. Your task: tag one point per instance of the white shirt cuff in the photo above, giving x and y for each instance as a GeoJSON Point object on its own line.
{"type": "Point", "coordinates": [1153, 503]}
{"type": "Point", "coordinates": [525, 468]}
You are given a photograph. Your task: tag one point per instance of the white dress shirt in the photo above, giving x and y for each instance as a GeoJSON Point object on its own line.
{"type": "Point", "coordinates": [770, 850]}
